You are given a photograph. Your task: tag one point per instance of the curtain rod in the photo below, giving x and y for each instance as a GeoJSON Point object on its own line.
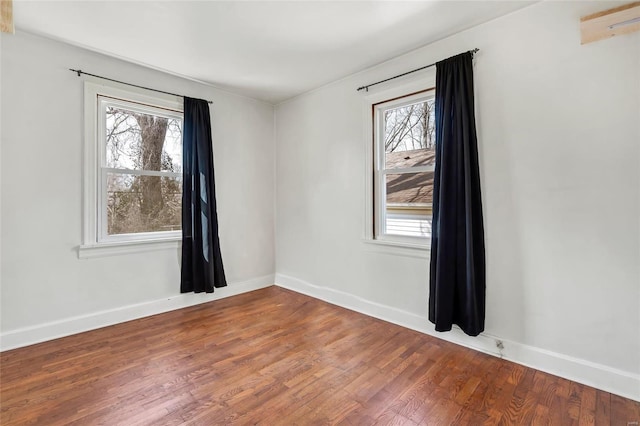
{"type": "Point", "coordinates": [405, 73]}
{"type": "Point", "coordinates": [79, 72]}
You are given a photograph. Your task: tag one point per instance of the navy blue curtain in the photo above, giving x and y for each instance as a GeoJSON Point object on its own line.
{"type": "Point", "coordinates": [457, 270]}
{"type": "Point", "coordinates": [202, 268]}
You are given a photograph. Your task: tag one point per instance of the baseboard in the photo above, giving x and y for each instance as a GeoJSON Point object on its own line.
{"type": "Point", "coordinates": [53, 330]}
{"type": "Point", "coordinates": [589, 373]}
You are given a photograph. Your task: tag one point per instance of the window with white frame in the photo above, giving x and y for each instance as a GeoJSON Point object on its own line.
{"type": "Point", "coordinates": [404, 162]}
{"type": "Point", "coordinates": [133, 166]}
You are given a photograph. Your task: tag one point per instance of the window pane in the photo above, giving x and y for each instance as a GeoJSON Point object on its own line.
{"type": "Point", "coordinates": [410, 135]}
{"type": "Point", "coordinates": [140, 141]}
{"type": "Point", "coordinates": [143, 203]}
{"type": "Point", "coordinates": [411, 226]}
{"type": "Point", "coordinates": [408, 204]}
{"type": "Point", "coordinates": [410, 189]}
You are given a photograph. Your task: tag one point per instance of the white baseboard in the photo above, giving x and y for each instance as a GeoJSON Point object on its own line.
{"type": "Point", "coordinates": [56, 329]}
{"type": "Point", "coordinates": [589, 373]}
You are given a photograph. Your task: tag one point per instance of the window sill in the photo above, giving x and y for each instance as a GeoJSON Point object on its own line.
{"type": "Point", "coordinates": [398, 248]}
{"type": "Point", "coordinates": [89, 251]}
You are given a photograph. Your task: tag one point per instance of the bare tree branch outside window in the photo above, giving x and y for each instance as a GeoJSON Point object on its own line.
{"type": "Point", "coordinates": [410, 127]}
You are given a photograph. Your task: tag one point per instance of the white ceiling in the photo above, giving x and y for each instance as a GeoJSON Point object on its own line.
{"type": "Point", "coordinates": [269, 50]}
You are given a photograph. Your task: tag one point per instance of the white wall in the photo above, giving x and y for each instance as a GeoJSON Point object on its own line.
{"type": "Point", "coordinates": [43, 281]}
{"type": "Point", "coordinates": [559, 140]}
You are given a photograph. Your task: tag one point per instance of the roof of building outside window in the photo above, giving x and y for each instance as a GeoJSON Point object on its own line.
{"type": "Point", "coordinates": [410, 188]}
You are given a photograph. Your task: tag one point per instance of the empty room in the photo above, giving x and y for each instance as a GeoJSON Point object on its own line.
{"type": "Point", "coordinates": [319, 212]}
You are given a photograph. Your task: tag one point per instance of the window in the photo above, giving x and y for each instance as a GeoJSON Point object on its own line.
{"type": "Point", "coordinates": [140, 188]}
{"type": "Point", "coordinates": [404, 161]}
{"type": "Point", "coordinates": [133, 167]}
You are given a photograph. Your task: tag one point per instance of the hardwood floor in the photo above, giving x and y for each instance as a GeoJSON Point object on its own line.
{"type": "Point", "coordinates": [277, 357]}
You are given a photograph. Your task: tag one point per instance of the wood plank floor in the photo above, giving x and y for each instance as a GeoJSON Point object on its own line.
{"type": "Point", "coordinates": [275, 357]}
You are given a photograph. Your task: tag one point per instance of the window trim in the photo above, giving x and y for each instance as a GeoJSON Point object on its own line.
{"type": "Point", "coordinates": [92, 244]}
{"type": "Point", "coordinates": [392, 244]}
